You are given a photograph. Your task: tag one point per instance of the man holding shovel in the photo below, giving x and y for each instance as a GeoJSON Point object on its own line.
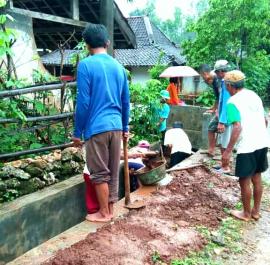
{"type": "Point", "coordinates": [102, 114]}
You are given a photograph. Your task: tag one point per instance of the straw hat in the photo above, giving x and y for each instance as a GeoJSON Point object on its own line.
{"type": "Point", "coordinates": [234, 76]}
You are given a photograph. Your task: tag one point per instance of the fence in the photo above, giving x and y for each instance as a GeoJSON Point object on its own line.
{"type": "Point", "coordinates": [39, 92]}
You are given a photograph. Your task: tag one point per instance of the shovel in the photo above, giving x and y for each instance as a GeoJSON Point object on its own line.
{"type": "Point", "coordinates": [128, 204]}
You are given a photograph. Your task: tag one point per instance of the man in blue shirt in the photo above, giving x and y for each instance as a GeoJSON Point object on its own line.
{"type": "Point", "coordinates": [223, 127]}
{"type": "Point", "coordinates": [102, 114]}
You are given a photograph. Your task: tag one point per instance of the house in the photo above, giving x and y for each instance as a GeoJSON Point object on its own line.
{"type": "Point", "coordinates": [151, 42]}
{"type": "Point", "coordinates": [46, 25]}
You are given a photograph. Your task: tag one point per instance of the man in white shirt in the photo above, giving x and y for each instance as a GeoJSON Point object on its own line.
{"type": "Point", "coordinates": [245, 111]}
{"type": "Point", "coordinates": [179, 143]}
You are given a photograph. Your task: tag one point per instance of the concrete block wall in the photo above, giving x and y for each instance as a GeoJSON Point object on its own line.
{"type": "Point", "coordinates": [35, 218]}
{"type": "Point", "coordinates": [195, 122]}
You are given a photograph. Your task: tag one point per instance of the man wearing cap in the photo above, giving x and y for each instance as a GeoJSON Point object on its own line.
{"type": "Point", "coordinates": [163, 113]}
{"type": "Point", "coordinates": [102, 114]}
{"type": "Point", "coordinates": [245, 111]}
{"type": "Point", "coordinates": [223, 128]}
{"type": "Point", "coordinates": [178, 142]}
{"type": "Point", "coordinates": [211, 79]}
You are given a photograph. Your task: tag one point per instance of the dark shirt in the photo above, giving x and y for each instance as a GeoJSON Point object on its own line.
{"type": "Point", "coordinates": [216, 87]}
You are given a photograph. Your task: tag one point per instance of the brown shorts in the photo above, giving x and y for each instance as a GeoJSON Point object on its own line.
{"type": "Point", "coordinates": [103, 158]}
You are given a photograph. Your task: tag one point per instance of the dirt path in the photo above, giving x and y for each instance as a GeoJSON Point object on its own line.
{"type": "Point", "coordinates": [167, 226]}
{"type": "Point", "coordinates": [256, 250]}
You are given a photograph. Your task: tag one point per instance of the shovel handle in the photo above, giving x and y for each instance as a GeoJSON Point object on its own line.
{"type": "Point", "coordinates": [126, 171]}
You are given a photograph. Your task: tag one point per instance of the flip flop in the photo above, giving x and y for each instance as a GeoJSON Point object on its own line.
{"type": "Point", "coordinates": [222, 171]}
{"type": "Point", "coordinates": [217, 167]}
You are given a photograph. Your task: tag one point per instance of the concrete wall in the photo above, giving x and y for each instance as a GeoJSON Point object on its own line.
{"type": "Point", "coordinates": [140, 75]}
{"type": "Point", "coordinates": [195, 123]}
{"type": "Point", "coordinates": [25, 55]}
{"type": "Point", "coordinates": [189, 86]}
{"type": "Point", "coordinates": [35, 218]}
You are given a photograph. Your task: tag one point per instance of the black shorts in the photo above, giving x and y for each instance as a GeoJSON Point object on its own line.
{"type": "Point", "coordinates": [248, 164]}
{"type": "Point", "coordinates": [213, 124]}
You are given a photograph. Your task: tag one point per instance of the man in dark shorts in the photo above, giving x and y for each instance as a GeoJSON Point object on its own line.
{"type": "Point", "coordinates": [102, 114]}
{"type": "Point", "coordinates": [245, 111]}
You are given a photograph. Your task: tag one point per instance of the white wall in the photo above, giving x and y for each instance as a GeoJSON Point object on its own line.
{"type": "Point", "coordinates": [140, 75]}
{"type": "Point", "coordinates": [189, 86]}
{"type": "Point", "coordinates": [25, 51]}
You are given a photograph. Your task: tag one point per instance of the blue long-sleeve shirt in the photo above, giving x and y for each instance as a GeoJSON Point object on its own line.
{"type": "Point", "coordinates": [102, 97]}
{"type": "Point", "coordinates": [222, 106]}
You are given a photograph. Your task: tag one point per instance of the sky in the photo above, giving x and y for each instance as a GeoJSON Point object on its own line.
{"type": "Point", "coordinates": [164, 8]}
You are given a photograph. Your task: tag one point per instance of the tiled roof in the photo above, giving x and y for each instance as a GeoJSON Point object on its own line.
{"type": "Point", "coordinates": [150, 42]}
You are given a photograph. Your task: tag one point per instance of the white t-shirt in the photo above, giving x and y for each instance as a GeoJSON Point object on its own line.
{"type": "Point", "coordinates": [179, 140]}
{"type": "Point", "coordinates": [247, 108]}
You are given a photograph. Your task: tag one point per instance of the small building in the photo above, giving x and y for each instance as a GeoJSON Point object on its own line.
{"type": "Point", "coordinates": [151, 43]}
{"type": "Point", "coordinates": [46, 25]}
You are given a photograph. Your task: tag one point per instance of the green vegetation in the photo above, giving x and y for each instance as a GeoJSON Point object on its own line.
{"type": "Point", "coordinates": [236, 30]}
{"type": "Point", "coordinates": [145, 100]}
{"type": "Point", "coordinates": [221, 243]}
{"type": "Point", "coordinates": [225, 240]}
{"type": "Point", "coordinates": [206, 98]}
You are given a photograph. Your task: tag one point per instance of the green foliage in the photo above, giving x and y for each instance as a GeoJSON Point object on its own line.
{"type": "Point", "coordinates": [156, 257]}
{"type": "Point", "coordinates": [42, 77]}
{"type": "Point", "coordinates": [206, 98]}
{"type": "Point", "coordinates": [145, 101]}
{"type": "Point", "coordinates": [229, 232]}
{"type": "Point", "coordinates": [10, 195]}
{"type": "Point", "coordinates": [243, 41]}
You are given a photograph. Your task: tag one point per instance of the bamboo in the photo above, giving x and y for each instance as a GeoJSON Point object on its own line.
{"type": "Point", "coordinates": [41, 118]}
{"type": "Point", "coordinates": [16, 92]}
{"type": "Point", "coordinates": [34, 151]}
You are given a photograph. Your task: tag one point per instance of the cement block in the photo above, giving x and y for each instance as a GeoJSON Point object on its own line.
{"type": "Point", "coordinates": [190, 116]}
{"type": "Point", "coordinates": [35, 218]}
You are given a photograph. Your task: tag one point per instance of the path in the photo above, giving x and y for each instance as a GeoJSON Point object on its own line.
{"type": "Point", "coordinates": [256, 250]}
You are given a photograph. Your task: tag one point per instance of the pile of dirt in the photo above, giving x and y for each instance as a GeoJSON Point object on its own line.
{"type": "Point", "coordinates": [166, 225]}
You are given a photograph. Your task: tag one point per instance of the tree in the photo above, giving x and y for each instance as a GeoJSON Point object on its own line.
{"type": "Point", "coordinates": [236, 30]}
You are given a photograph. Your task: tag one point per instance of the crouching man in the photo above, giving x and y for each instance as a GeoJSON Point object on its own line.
{"type": "Point", "coordinates": [178, 142]}
{"type": "Point", "coordinates": [245, 111]}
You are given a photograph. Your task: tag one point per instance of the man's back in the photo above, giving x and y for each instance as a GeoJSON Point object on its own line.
{"type": "Point", "coordinates": [254, 134]}
{"type": "Point", "coordinates": [179, 140]}
{"type": "Point", "coordinates": [103, 90]}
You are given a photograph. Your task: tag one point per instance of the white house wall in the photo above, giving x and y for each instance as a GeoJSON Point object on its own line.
{"type": "Point", "coordinates": [141, 75]}
{"type": "Point", "coordinates": [190, 88]}
{"type": "Point", "coordinates": [24, 50]}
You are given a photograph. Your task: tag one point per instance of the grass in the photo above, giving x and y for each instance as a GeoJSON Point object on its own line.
{"type": "Point", "coordinates": [225, 240]}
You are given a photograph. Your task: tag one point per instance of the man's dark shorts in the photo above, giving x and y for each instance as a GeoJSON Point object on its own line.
{"type": "Point", "coordinates": [248, 164]}
{"type": "Point", "coordinates": [213, 124]}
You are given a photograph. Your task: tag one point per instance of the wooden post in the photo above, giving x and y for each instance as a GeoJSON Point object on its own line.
{"type": "Point", "coordinates": [75, 12]}
{"type": "Point", "coordinates": [10, 4]}
{"type": "Point", "coordinates": [107, 19]}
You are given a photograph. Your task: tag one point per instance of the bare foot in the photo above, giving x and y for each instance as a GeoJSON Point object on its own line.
{"type": "Point", "coordinates": [240, 215]}
{"type": "Point", "coordinates": [111, 209]}
{"type": "Point", "coordinates": [98, 217]}
{"type": "Point", "coordinates": [255, 215]}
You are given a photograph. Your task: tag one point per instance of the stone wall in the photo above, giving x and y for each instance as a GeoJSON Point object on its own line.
{"type": "Point", "coordinates": [195, 122]}
{"type": "Point", "coordinates": [25, 176]}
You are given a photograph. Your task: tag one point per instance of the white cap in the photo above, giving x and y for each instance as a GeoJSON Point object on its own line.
{"type": "Point", "coordinates": [221, 65]}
